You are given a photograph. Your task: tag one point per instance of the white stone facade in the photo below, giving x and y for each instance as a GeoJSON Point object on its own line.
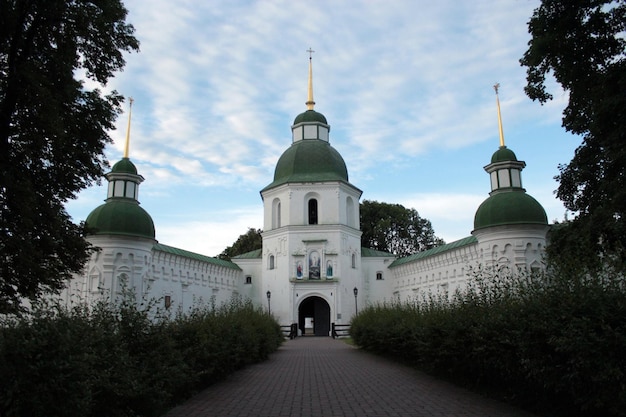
{"type": "Point", "coordinates": [311, 269]}
{"type": "Point", "coordinates": [152, 272]}
{"type": "Point", "coordinates": [299, 262]}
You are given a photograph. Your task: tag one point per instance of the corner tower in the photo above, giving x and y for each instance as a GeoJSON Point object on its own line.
{"type": "Point", "coordinates": [121, 214]}
{"type": "Point", "coordinates": [122, 231]}
{"type": "Point", "coordinates": [510, 225]}
{"type": "Point", "coordinates": [311, 239]}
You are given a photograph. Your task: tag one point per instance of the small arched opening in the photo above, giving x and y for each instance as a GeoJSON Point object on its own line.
{"type": "Point", "coordinates": [312, 211]}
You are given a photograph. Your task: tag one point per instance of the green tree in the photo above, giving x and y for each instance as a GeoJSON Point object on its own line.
{"type": "Point", "coordinates": [53, 130]}
{"type": "Point", "coordinates": [249, 241]}
{"type": "Point", "coordinates": [582, 44]}
{"type": "Point", "coordinates": [395, 229]}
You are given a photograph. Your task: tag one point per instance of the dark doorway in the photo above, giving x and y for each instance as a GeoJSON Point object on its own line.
{"type": "Point", "coordinates": [314, 317]}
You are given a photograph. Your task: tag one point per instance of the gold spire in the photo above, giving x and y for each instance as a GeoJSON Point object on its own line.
{"type": "Point", "coordinates": [310, 104]}
{"type": "Point", "coordinates": [496, 87]}
{"type": "Point", "coordinates": [127, 144]}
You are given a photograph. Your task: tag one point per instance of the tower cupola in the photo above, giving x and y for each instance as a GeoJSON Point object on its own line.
{"type": "Point", "coordinates": [310, 158]}
{"type": "Point", "coordinates": [508, 202]}
{"type": "Point", "coordinates": [310, 124]}
{"type": "Point", "coordinates": [121, 213]}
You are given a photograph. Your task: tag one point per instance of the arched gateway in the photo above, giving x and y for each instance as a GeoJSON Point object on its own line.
{"type": "Point", "coordinates": [314, 316]}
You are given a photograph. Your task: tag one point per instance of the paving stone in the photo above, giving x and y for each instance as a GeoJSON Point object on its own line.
{"type": "Point", "coordinates": [323, 377]}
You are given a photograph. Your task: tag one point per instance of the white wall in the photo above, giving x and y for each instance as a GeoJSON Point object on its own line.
{"type": "Point", "coordinates": [151, 274]}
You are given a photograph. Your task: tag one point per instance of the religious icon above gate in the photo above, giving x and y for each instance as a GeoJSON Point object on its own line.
{"type": "Point", "coordinates": [314, 265]}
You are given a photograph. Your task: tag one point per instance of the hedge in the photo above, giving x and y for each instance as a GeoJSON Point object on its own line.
{"type": "Point", "coordinates": [555, 345]}
{"type": "Point", "coordinates": [122, 360]}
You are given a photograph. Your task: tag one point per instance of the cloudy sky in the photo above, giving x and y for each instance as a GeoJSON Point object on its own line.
{"type": "Point", "coordinates": [406, 85]}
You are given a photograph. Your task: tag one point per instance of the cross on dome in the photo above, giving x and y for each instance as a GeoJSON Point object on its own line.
{"type": "Point", "coordinates": [496, 87]}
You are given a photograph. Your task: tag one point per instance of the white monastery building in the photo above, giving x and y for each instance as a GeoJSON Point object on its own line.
{"type": "Point", "coordinates": [312, 269]}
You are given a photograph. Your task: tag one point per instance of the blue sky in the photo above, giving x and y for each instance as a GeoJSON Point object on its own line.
{"type": "Point", "coordinates": [406, 86]}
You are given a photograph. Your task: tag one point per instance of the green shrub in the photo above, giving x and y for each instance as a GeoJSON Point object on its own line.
{"type": "Point", "coordinates": [217, 341]}
{"type": "Point", "coordinates": [119, 360]}
{"type": "Point", "coordinates": [549, 342]}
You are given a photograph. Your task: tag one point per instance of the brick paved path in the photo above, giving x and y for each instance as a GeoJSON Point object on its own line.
{"type": "Point", "coordinates": [319, 376]}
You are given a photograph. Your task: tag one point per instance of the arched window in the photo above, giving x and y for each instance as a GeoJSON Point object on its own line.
{"type": "Point", "coordinates": [271, 261]}
{"type": "Point", "coordinates": [353, 260]}
{"type": "Point", "coordinates": [350, 213]}
{"type": "Point", "coordinates": [123, 283]}
{"type": "Point", "coordinates": [312, 211]}
{"type": "Point", "coordinates": [276, 214]}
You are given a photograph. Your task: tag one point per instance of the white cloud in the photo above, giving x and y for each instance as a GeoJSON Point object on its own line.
{"type": "Point", "coordinates": [217, 85]}
{"type": "Point", "coordinates": [209, 237]}
{"type": "Point", "coordinates": [451, 215]}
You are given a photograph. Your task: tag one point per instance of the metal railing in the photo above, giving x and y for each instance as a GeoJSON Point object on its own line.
{"type": "Point", "coordinates": [290, 331]}
{"type": "Point", "coordinates": [340, 330]}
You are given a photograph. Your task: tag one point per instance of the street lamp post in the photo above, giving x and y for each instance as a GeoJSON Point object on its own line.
{"type": "Point", "coordinates": [269, 295]}
{"type": "Point", "coordinates": [356, 292]}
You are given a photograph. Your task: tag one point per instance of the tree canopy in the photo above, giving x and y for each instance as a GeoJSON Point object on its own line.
{"type": "Point", "coordinates": [249, 241]}
{"type": "Point", "coordinates": [582, 44]}
{"type": "Point", "coordinates": [395, 229]}
{"type": "Point", "coordinates": [53, 130]}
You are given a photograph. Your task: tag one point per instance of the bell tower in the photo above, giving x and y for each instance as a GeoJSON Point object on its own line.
{"type": "Point", "coordinates": [311, 237]}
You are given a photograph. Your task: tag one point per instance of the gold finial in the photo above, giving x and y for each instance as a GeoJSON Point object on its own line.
{"type": "Point", "coordinates": [496, 87]}
{"type": "Point", "coordinates": [310, 104]}
{"type": "Point", "coordinates": [127, 144]}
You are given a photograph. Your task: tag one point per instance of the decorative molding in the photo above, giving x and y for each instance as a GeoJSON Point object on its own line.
{"type": "Point", "coordinates": [313, 281]}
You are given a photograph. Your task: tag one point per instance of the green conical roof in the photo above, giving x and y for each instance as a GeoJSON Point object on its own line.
{"type": "Point", "coordinates": [124, 165]}
{"type": "Point", "coordinates": [310, 116]}
{"type": "Point", "coordinates": [514, 207]}
{"type": "Point", "coordinates": [503, 154]}
{"type": "Point", "coordinates": [120, 216]}
{"type": "Point", "coordinates": [309, 161]}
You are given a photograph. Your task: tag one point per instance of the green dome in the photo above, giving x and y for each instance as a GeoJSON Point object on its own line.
{"type": "Point", "coordinates": [120, 216]}
{"type": "Point", "coordinates": [309, 161]}
{"type": "Point", "coordinates": [124, 166]}
{"type": "Point", "coordinates": [503, 154]}
{"type": "Point", "coordinates": [310, 116]}
{"type": "Point", "coordinates": [514, 207]}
